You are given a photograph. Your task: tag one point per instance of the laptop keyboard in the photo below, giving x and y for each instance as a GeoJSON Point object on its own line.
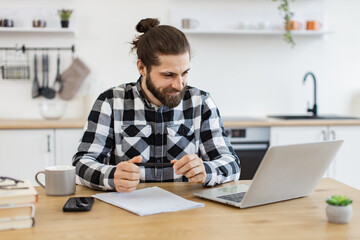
{"type": "Point", "coordinates": [235, 197]}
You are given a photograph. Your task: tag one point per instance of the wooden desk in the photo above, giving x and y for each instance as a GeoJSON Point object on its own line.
{"type": "Point", "coordinates": [296, 219]}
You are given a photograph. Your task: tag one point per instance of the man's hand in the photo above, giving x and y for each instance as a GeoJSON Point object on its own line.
{"type": "Point", "coordinates": [127, 175]}
{"type": "Point", "coordinates": [192, 167]}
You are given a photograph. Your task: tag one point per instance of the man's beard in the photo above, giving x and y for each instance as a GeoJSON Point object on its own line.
{"type": "Point", "coordinates": [169, 101]}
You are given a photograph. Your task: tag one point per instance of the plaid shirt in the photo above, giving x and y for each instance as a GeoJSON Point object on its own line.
{"type": "Point", "coordinates": [123, 124]}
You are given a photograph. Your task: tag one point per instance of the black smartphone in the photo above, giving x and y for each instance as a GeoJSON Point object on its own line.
{"type": "Point", "coordinates": [78, 204]}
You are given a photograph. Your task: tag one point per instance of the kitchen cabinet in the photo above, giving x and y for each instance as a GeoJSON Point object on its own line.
{"type": "Point", "coordinates": [25, 152]}
{"type": "Point", "coordinates": [66, 143]}
{"type": "Point", "coordinates": [298, 134]}
{"type": "Point", "coordinates": [347, 162]}
{"type": "Point", "coordinates": [344, 167]}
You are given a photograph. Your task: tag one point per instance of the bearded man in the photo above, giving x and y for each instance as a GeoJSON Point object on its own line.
{"type": "Point", "coordinates": [158, 128]}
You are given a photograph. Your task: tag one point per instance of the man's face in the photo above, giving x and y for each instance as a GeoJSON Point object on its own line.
{"type": "Point", "coordinates": [166, 83]}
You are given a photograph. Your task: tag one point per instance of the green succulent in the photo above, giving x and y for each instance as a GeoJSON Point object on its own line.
{"type": "Point", "coordinates": [338, 200]}
{"type": "Point", "coordinates": [65, 14]}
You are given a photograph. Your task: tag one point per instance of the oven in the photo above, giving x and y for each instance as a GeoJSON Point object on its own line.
{"type": "Point", "coordinates": [250, 144]}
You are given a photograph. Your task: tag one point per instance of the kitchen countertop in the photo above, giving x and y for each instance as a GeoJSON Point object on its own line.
{"type": "Point", "coordinates": [272, 122]}
{"type": "Point", "coordinates": [228, 122]}
{"type": "Point", "coordinates": [41, 123]}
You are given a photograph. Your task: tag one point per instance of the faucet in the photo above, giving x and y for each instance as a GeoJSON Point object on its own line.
{"type": "Point", "coordinates": [314, 109]}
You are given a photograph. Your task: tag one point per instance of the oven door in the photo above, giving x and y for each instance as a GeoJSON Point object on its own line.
{"type": "Point", "coordinates": [250, 155]}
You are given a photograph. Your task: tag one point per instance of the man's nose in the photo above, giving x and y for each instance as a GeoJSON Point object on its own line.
{"type": "Point", "coordinates": [178, 83]}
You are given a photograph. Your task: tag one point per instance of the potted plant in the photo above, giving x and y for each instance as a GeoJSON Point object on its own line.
{"type": "Point", "coordinates": [287, 15]}
{"type": "Point", "coordinates": [65, 15]}
{"type": "Point", "coordinates": [339, 209]}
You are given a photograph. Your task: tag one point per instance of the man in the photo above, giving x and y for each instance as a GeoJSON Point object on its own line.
{"type": "Point", "coordinates": [157, 120]}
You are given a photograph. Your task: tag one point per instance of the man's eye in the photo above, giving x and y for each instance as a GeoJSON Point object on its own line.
{"type": "Point", "coordinates": [168, 75]}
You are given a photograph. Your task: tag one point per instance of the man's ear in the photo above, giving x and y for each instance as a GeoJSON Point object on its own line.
{"type": "Point", "coordinates": [141, 67]}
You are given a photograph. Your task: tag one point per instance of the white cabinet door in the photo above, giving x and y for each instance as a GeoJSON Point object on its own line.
{"type": "Point", "coordinates": [301, 134]}
{"type": "Point", "coordinates": [66, 143]}
{"type": "Point", "coordinates": [25, 152]}
{"type": "Point", "coordinates": [346, 165]}
{"type": "Point", "coordinates": [347, 161]}
{"type": "Point", "coordinates": [297, 134]}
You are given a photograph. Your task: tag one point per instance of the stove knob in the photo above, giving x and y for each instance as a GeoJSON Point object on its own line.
{"type": "Point", "coordinates": [228, 132]}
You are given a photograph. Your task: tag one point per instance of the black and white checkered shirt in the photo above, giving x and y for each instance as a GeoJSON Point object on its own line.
{"type": "Point", "coordinates": [123, 124]}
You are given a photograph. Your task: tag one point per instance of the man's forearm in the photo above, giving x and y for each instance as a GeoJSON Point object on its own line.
{"type": "Point", "coordinates": [93, 174]}
{"type": "Point", "coordinates": [222, 170]}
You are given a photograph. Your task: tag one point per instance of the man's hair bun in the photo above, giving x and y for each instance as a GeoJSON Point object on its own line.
{"type": "Point", "coordinates": [146, 24]}
{"type": "Point", "coordinates": [158, 39]}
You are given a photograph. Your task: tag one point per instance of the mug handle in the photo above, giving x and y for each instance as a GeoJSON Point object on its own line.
{"type": "Point", "coordinates": [37, 180]}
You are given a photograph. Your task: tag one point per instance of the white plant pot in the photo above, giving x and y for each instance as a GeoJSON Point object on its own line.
{"type": "Point", "coordinates": [339, 214]}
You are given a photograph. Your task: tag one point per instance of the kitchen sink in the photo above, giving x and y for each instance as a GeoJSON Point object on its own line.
{"type": "Point", "coordinates": [311, 117]}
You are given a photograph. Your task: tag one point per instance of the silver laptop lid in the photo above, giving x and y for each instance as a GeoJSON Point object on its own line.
{"type": "Point", "coordinates": [290, 171]}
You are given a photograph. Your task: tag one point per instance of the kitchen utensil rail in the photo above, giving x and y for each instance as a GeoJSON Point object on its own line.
{"type": "Point", "coordinates": [23, 48]}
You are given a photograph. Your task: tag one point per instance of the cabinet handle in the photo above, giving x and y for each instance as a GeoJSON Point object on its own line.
{"type": "Point", "coordinates": [323, 132]}
{"type": "Point", "coordinates": [333, 134]}
{"type": "Point", "coordinates": [48, 144]}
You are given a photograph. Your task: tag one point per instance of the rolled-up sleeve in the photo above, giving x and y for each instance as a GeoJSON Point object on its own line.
{"type": "Point", "coordinates": [220, 161]}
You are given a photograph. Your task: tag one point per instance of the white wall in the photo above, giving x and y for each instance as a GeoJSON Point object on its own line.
{"type": "Point", "coordinates": [246, 75]}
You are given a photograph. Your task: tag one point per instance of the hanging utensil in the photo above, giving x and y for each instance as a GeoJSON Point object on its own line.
{"type": "Point", "coordinates": [36, 85]}
{"type": "Point", "coordinates": [58, 83]}
{"type": "Point", "coordinates": [42, 74]}
{"type": "Point", "coordinates": [47, 92]}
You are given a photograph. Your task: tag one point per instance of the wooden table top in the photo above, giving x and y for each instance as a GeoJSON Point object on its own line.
{"type": "Point", "coordinates": [302, 218]}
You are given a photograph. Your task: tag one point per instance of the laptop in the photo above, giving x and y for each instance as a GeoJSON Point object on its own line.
{"type": "Point", "coordinates": [286, 172]}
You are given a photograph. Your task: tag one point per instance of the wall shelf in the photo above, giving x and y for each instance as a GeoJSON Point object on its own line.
{"type": "Point", "coordinates": [37, 30]}
{"type": "Point", "coordinates": [251, 32]}
{"type": "Point", "coordinates": [24, 17]}
{"type": "Point", "coordinates": [251, 22]}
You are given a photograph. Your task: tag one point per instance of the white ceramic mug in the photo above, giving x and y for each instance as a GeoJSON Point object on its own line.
{"type": "Point", "coordinates": [59, 180]}
{"type": "Point", "coordinates": [244, 25]}
{"type": "Point", "coordinates": [264, 25]}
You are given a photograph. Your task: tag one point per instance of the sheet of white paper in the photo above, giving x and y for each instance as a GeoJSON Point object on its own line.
{"type": "Point", "coordinates": [148, 201]}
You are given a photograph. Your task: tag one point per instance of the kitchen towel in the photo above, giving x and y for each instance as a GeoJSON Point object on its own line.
{"type": "Point", "coordinates": [72, 78]}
